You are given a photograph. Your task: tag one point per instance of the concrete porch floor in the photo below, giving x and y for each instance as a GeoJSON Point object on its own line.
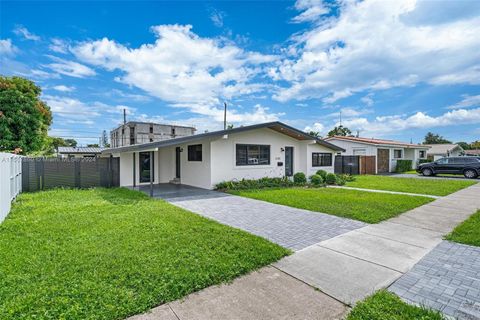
{"type": "Point", "coordinates": [178, 192]}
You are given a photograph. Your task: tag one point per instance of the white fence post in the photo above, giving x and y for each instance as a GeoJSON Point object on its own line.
{"type": "Point", "coordinates": [10, 181]}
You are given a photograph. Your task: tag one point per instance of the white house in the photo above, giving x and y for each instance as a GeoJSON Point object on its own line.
{"type": "Point", "coordinates": [271, 149]}
{"type": "Point", "coordinates": [79, 152]}
{"type": "Point", "coordinates": [438, 151]}
{"type": "Point", "coordinates": [387, 152]}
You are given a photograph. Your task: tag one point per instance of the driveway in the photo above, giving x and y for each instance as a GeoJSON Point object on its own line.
{"type": "Point", "coordinates": [289, 227]}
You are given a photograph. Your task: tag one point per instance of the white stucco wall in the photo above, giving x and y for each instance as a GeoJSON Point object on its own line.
{"type": "Point", "coordinates": [223, 155]}
{"type": "Point", "coordinates": [126, 169]}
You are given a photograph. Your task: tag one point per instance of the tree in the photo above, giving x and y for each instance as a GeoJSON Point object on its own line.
{"type": "Point", "coordinates": [340, 131]}
{"type": "Point", "coordinates": [104, 140]}
{"type": "Point", "coordinates": [475, 144]}
{"type": "Point", "coordinates": [70, 143]}
{"type": "Point", "coordinates": [315, 134]}
{"type": "Point", "coordinates": [93, 145]}
{"type": "Point", "coordinates": [24, 118]}
{"type": "Point", "coordinates": [464, 145]}
{"type": "Point", "coordinates": [432, 138]}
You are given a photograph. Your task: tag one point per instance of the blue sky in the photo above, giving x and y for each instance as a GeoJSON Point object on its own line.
{"type": "Point", "coordinates": [392, 69]}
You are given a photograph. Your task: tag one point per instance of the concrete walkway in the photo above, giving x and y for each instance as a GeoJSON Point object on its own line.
{"type": "Point", "coordinates": [345, 268]}
{"type": "Point", "coordinates": [265, 294]}
{"type": "Point", "coordinates": [353, 265]}
{"type": "Point", "coordinates": [289, 227]}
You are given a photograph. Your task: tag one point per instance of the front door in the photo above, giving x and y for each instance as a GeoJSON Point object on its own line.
{"type": "Point", "coordinates": [383, 156]}
{"type": "Point", "coordinates": [177, 162]}
{"type": "Point", "coordinates": [289, 161]}
{"type": "Point", "coordinates": [144, 162]}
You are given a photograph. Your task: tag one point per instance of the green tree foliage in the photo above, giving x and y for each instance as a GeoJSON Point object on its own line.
{"type": "Point", "coordinates": [315, 134]}
{"type": "Point", "coordinates": [432, 138]}
{"type": "Point", "coordinates": [340, 131]}
{"type": "Point", "coordinates": [105, 139]}
{"type": "Point", "coordinates": [464, 145]}
{"type": "Point", "coordinates": [24, 118]}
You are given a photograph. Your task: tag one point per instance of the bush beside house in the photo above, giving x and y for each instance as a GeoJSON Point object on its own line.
{"type": "Point", "coordinates": [403, 166]}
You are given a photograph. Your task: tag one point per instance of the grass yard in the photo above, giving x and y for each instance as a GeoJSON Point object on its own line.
{"type": "Point", "coordinates": [468, 232]}
{"type": "Point", "coordinates": [369, 207]}
{"type": "Point", "coordinates": [386, 305]}
{"type": "Point", "coordinates": [111, 253]}
{"type": "Point", "coordinates": [440, 187]}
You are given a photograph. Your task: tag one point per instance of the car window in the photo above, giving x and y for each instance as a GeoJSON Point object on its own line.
{"type": "Point", "coordinates": [456, 160]}
{"type": "Point", "coordinates": [442, 161]}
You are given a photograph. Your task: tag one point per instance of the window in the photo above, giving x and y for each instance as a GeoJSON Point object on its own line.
{"type": "Point", "coordinates": [144, 162]}
{"type": "Point", "coordinates": [132, 135]}
{"type": "Point", "coordinates": [195, 152]}
{"type": "Point", "coordinates": [320, 159]}
{"type": "Point", "coordinates": [151, 128]}
{"type": "Point", "coordinates": [252, 155]}
{"type": "Point", "coordinates": [422, 154]}
{"type": "Point", "coordinates": [397, 154]}
{"type": "Point", "coordinates": [173, 131]}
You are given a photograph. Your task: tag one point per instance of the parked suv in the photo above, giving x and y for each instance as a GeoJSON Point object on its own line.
{"type": "Point", "coordinates": [468, 166]}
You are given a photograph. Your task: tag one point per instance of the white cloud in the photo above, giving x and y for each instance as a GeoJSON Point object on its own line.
{"type": "Point", "coordinates": [58, 45]}
{"type": "Point", "coordinates": [467, 102]}
{"type": "Point", "coordinates": [70, 68]}
{"type": "Point", "coordinates": [75, 111]}
{"type": "Point", "coordinates": [375, 45]}
{"type": "Point", "coordinates": [23, 32]}
{"type": "Point", "coordinates": [63, 88]}
{"type": "Point", "coordinates": [7, 48]}
{"type": "Point", "coordinates": [368, 100]}
{"type": "Point", "coordinates": [317, 127]}
{"type": "Point", "coordinates": [217, 17]}
{"type": "Point", "coordinates": [184, 69]}
{"type": "Point", "coordinates": [312, 10]}
{"type": "Point", "coordinates": [420, 120]}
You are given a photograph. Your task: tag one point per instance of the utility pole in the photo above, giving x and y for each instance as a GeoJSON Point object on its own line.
{"type": "Point", "coordinates": [340, 118]}
{"type": "Point", "coordinates": [124, 116]}
{"type": "Point", "coordinates": [225, 117]}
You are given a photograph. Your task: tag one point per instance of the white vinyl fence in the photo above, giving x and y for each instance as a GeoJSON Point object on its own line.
{"type": "Point", "coordinates": [10, 181]}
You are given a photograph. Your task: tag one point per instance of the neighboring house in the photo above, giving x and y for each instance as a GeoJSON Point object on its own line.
{"type": "Point", "coordinates": [79, 152]}
{"type": "Point", "coordinates": [475, 153]}
{"type": "Point", "coordinates": [134, 132]}
{"type": "Point", "coordinates": [387, 152]}
{"type": "Point", "coordinates": [270, 149]}
{"type": "Point", "coordinates": [438, 151]}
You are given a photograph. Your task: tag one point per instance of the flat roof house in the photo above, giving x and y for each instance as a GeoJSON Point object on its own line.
{"type": "Point", "coordinates": [271, 149]}
{"type": "Point", "coordinates": [387, 152]}
{"type": "Point", "coordinates": [137, 132]}
{"type": "Point", "coordinates": [79, 152]}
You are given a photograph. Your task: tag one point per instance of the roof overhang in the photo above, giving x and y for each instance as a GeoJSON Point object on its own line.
{"type": "Point", "coordinates": [275, 126]}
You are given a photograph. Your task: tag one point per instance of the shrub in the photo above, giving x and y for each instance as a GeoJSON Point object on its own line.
{"type": "Point", "coordinates": [248, 184]}
{"type": "Point", "coordinates": [299, 178]}
{"type": "Point", "coordinates": [341, 180]}
{"type": "Point", "coordinates": [316, 180]}
{"type": "Point", "coordinates": [403, 165]}
{"type": "Point", "coordinates": [322, 173]}
{"type": "Point", "coordinates": [331, 178]}
{"type": "Point", "coordinates": [424, 161]}
{"type": "Point", "coordinates": [346, 177]}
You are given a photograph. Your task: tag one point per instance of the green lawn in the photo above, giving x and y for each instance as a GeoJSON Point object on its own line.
{"type": "Point", "coordinates": [440, 187]}
{"type": "Point", "coordinates": [369, 207]}
{"type": "Point", "coordinates": [111, 253]}
{"type": "Point", "coordinates": [385, 305]}
{"type": "Point", "coordinates": [468, 232]}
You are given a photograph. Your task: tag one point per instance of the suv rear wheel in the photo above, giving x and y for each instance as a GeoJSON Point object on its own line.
{"type": "Point", "coordinates": [427, 172]}
{"type": "Point", "coordinates": [470, 174]}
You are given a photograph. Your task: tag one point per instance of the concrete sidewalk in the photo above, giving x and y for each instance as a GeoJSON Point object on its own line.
{"type": "Point", "coordinates": [345, 268]}
{"type": "Point", "coordinates": [353, 265]}
{"type": "Point", "coordinates": [265, 294]}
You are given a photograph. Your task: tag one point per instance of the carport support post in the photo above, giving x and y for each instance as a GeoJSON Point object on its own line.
{"type": "Point", "coordinates": [151, 174]}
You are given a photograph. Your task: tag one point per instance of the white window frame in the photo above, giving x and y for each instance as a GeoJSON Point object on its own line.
{"type": "Point", "coordinates": [401, 154]}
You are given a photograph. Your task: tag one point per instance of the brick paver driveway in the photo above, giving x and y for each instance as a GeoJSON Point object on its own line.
{"type": "Point", "coordinates": [289, 227]}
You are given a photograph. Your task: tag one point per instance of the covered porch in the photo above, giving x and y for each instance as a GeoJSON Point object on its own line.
{"type": "Point", "coordinates": [177, 192]}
